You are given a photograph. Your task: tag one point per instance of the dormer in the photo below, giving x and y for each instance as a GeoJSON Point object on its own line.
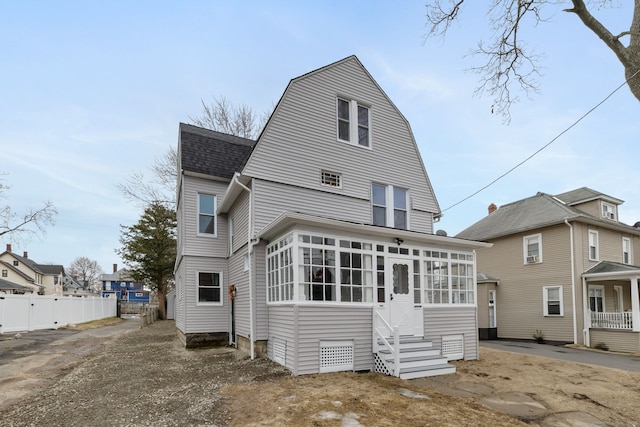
{"type": "Point", "coordinates": [592, 202]}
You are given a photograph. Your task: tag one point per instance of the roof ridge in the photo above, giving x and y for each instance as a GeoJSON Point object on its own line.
{"type": "Point", "coordinates": [210, 133]}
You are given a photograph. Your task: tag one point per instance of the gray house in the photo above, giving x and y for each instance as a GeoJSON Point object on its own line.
{"type": "Point", "coordinates": [314, 245]}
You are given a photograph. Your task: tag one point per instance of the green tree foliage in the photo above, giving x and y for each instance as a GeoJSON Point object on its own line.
{"type": "Point", "coordinates": [149, 250]}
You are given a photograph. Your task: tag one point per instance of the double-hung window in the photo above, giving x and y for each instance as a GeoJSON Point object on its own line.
{"type": "Point", "coordinates": [389, 206]}
{"type": "Point", "coordinates": [608, 211]}
{"type": "Point", "coordinates": [532, 248]}
{"type": "Point", "coordinates": [626, 250]}
{"type": "Point", "coordinates": [593, 245]}
{"type": "Point", "coordinates": [209, 287]}
{"type": "Point", "coordinates": [552, 296]}
{"type": "Point", "coordinates": [207, 221]}
{"type": "Point", "coordinates": [354, 122]}
{"type": "Point", "coordinates": [596, 298]}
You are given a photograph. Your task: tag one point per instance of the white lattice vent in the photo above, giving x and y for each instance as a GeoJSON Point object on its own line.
{"type": "Point", "coordinates": [279, 351]}
{"type": "Point", "coordinates": [336, 356]}
{"type": "Point", "coordinates": [381, 367]}
{"type": "Point", "coordinates": [453, 347]}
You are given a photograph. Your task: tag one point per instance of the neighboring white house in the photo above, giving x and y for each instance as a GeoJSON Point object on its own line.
{"type": "Point", "coordinates": [44, 279]}
{"type": "Point", "coordinates": [315, 244]}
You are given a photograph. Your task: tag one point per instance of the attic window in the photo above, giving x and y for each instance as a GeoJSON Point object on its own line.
{"type": "Point", "coordinates": [332, 179]}
{"type": "Point", "coordinates": [608, 211]}
{"type": "Point", "coordinates": [353, 123]}
{"type": "Point", "coordinates": [16, 263]}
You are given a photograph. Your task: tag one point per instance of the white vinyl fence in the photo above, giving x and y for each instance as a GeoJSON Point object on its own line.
{"type": "Point", "coordinates": [31, 312]}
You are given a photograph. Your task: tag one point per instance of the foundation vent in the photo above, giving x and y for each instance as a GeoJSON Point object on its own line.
{"type": "Point", "coordinates": [453, 347]}
{"type": "Point", "coordinates": [336, 356]}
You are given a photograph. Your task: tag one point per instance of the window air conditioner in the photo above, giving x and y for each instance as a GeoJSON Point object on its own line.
{"type": "Point", "coordinates": [532, 259]}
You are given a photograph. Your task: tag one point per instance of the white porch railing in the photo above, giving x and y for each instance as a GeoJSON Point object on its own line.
{"type": "Point", "coordinates": [611, 320]}
{"type": "Point", "coordinates": [381, 330]}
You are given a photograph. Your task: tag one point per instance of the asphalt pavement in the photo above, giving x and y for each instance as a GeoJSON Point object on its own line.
{"type": "Point", "coordinates": [626, 362]}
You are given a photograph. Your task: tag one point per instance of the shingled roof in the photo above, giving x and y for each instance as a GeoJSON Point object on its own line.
{"type": "Point", "coordinates": [541, 210]}
{"type": "Point", "coordinates": [212, 153]}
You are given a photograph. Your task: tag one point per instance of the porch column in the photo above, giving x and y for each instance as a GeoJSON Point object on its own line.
{"type": "Point", "coordinates": [635, 305]}
{"type": "Point", "coordinates": [586, 316]}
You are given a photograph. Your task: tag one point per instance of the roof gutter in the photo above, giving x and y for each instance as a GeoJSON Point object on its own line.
{"type": "Point", "coordinates": [250, 244]}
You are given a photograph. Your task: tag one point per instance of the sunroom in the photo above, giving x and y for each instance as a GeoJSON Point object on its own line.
{"type": "Point", "coordinates": [612, 306]}
{"type": "Point", "coordinates": [338, 288]}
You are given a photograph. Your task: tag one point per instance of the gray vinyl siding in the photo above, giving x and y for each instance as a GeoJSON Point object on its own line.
{"type": "Point", "coordinates": [301, 140]}
{"type": "Point", "coordinates": [180, 296]}
{"type": "Point", "coordinates": [203, 245]}
{"type": "Point", "coordinates": [204, 318]}
{"type": "Point", "coordinates": [241, 302]}
{"type": "Point", "coordinates": [442, 321]}
{"type": "Point", "coordinates": [520, 306]}
{"type": "Point", "coordinates": [302, 327]}
{"type": "Point", "coordinates": [272, 199]}
{"type": "Point", "coordinates": [620, 341]}
{"type": "Point", "coordinates": [260, 275]}
{"type": "Point", "coordinates": [283, 327]}
{"type": "Point", "coordinates": [240, 214]}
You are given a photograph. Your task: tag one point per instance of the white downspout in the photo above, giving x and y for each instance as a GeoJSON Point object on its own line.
{"type": "Point", "coordinates": [250, 245]}
{"type": "Point", "coordinates": [573, 284]}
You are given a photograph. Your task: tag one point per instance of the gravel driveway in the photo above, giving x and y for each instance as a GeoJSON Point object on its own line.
{"type": "Point", "coordinates": [147, 379]}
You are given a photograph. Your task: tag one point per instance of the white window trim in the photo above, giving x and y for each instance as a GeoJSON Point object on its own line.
{"type": "Point", "coordinates": [601, 288]}
{"type": "Point", "coordinates": [215, 216]}
{"type": "Point", "coordinates": [609, 211]}
{"type": "Point", "coordinates": [525, 249]}
{"type": "Point", "coordinates": [596, 245]}
{"type": "Point", "coordinates": [222, 294]}
{"type": "Point", "coordinates": [545, 301]}
{"type": "Point", "coordinates": [626, 249]}
{"type": "Point", "coordinates": [390, 205]}
{"type": "Point", "coordinates": [353, 123]}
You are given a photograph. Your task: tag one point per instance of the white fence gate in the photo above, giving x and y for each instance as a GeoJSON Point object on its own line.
{"type": "Point", "coordinates": [31, 312]}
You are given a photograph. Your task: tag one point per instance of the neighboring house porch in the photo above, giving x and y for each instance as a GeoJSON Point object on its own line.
{"type": "Point", "coordinates": [612, 306]}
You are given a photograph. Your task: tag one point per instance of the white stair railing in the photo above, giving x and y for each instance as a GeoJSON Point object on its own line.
{"type": "Point", "coordinates": [380, 336]}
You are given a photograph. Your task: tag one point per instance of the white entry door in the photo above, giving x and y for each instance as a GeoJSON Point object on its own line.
{"type": "Point", "coordinates": [400, 293]}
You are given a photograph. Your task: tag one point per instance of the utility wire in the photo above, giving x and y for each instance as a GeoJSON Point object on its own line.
{"type": "Point", "coordinates": [546, 145]}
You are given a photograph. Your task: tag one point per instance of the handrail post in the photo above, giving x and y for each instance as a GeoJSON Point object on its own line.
{"type": "Point", "coordinates": [396, 351]}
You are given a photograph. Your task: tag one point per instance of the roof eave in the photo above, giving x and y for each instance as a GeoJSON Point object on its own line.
{"type": "Point", "coordinates": [288, 219]}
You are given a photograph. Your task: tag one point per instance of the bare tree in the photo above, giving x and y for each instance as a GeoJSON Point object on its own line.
{"type": "Point", "coordinates": [160, 187]}
{"type": "Point", "coordinates": [510, 62]}
{"type": "Point", "coordinates": [87, 271]}
{"type": "Point", "coordinates": [222, 116]}
{"type": "Point", "coordinates": [21, 227]}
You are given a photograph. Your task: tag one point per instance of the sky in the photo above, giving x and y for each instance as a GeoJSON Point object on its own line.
{"type": "Point", "coordinates": [91, 92]}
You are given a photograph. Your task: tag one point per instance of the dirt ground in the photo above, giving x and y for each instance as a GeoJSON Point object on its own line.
{"type": "Point", "coordinates": [144, 377]}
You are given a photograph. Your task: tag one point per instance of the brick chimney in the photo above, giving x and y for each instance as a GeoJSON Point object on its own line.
{"type": "Point", "coordinates": [8, 247]}
{"type": "Point", "coordinates": [26, 254]}
{"type": "Point", "coordinates": [115, 267]}
{"type": "Point", "coordinates": [492, 208]}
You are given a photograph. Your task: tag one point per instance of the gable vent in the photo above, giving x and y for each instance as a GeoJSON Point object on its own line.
{"type": "Point", "coordinates": [332, 179]}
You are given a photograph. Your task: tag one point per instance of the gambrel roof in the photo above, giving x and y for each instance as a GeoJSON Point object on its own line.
{"type": "Point", "coordinates": [212, 153]}
{"type": "Point", "coordinates": [541, 210]}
